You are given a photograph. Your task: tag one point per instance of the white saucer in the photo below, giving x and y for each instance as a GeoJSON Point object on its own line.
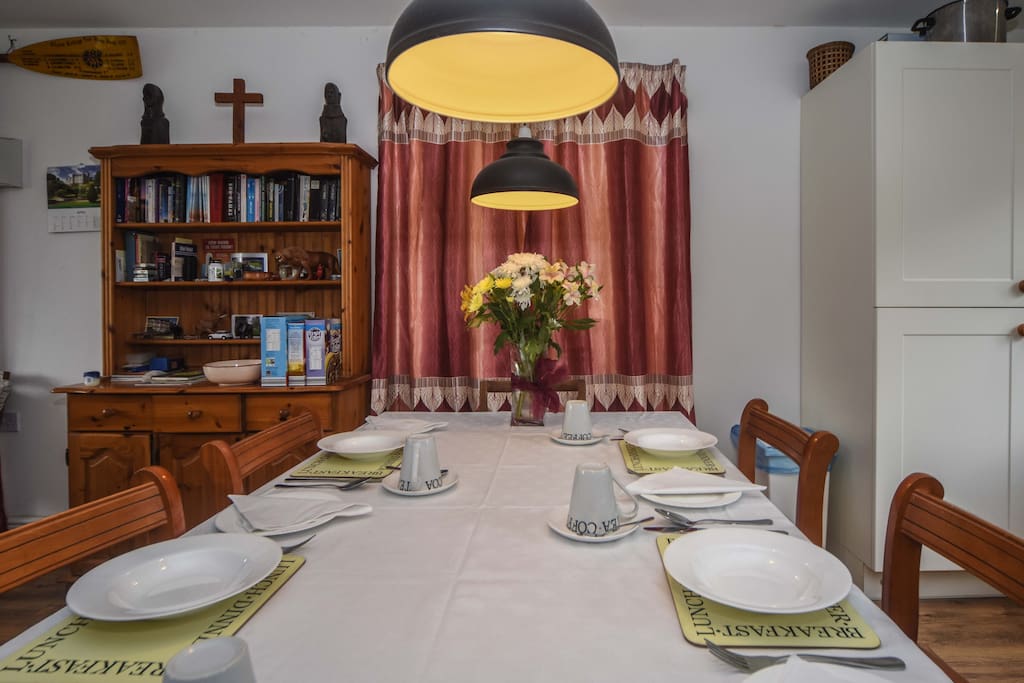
{"type": "Point", "coordinates": [694, 500]}
{"type": "Point", "coordinates": [390, 483]}
{"type": "Point", "coordinates": [557, 523]}
{"type": "Point", "coordinates": [596, 437]}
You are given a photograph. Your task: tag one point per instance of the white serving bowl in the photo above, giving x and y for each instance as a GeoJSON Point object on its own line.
{"type": "Point", "coordinates": [232, 372]}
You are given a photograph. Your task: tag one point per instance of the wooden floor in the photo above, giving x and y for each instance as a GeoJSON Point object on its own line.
{"type": "Point", "coordinates": [982, 639]}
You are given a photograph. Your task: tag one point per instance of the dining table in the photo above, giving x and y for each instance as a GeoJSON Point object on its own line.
{"type": "Point", "coordinates": [471, 584]}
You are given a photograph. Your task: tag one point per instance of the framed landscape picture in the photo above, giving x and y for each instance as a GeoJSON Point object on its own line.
{"type": "Point", "coordinates": [246, 325]}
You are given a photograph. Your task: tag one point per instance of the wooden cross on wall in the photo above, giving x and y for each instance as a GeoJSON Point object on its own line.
{"type": "Point", "coordinates": [238, 98]}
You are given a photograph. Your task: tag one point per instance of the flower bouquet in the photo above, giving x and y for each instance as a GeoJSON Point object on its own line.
{"type": "Point", "coordinates": [530, 299]}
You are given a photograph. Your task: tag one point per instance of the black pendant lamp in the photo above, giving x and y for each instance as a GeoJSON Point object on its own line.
{"type": "Point", "coordinates": [502, 60]}
{"type": "Point", "coordinates": [524, 179]}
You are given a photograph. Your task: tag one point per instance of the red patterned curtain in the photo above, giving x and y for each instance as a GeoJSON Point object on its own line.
{"type": "Point", "coordinates": [630, 160]}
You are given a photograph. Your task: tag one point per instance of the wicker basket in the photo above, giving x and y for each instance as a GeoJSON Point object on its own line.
{"type": "Point", "coordinates": [826, 58]}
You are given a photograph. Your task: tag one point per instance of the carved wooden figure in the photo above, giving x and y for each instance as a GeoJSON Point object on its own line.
{"type": "Point", "coordinates": [156, 129]}
{"type": "Point", "coordinates": [333, 122]}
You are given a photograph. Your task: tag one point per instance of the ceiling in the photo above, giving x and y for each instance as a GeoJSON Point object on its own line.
{"type": "Point", "coordinates": [189, 13]}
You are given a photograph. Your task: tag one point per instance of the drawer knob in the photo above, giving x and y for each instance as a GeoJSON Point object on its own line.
{"type": "Point", "coordinates": [194, 414]}
{"type": "Point", "coordinates": [108, 412]}
{"type": "Point", "coordinates": [1020, 285]}
{"type": "Point", "coordinates": [284, 414]}
{"type": "Point", "coordinates": [1020, 329]}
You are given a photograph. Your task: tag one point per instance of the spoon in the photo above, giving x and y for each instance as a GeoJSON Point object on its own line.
{"type": "Point", "coordinates": [355, 483]}
{"type": "Point", "coordinates": [636, 521]}
{"type": "Point", "coordinates": [686, 521]}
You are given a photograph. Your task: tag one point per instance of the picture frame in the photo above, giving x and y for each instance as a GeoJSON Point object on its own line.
{"type": "Point", "coordinates": [246, 325]}
{"type": "Point", "coordinates": [161, 326]}
{"type": "Point", "coordinates": [252, 262]}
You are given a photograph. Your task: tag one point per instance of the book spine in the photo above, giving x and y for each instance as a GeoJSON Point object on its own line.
{"type": "Point", "coordinates": [332, 361]}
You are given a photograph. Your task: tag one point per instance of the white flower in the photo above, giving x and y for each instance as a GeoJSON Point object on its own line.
{"type": "Point", "coordinates": [572, 294]}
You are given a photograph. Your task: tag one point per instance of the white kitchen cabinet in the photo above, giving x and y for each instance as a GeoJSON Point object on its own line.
{"type": "Point", "coordinates": [912, 251]}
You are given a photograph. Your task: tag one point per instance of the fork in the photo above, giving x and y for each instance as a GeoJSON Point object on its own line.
{"type": "Point", "coordinates": [683, 519]}
{"type": "Point", "coordinates": [751, 663]}
{"type": "Point", "coordinates": [355, 483]}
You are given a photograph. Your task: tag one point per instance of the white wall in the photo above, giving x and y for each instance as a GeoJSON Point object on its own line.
{"type": "Point", "coordinates": [743, 84]}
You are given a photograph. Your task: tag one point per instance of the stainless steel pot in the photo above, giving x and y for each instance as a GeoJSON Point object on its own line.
{"type": "Point", "coordinates": [967, 21]}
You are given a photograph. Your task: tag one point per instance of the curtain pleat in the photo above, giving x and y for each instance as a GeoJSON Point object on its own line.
{"type": "Point", "coordinates": [630, 159]}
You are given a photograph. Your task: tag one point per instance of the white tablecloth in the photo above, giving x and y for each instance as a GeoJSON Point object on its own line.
{"type": "Point", "coordinates": [472, 585]}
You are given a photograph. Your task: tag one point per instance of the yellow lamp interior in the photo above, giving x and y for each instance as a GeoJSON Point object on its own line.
{"type": "Point", "coordinates": [502, 77]}
{"type": "Point", "coordinates": [522, 200]}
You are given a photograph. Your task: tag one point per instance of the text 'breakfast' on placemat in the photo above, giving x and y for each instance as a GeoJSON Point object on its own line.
{"type": "Point", "coordinates": [639, 461]}
{"type": "Point", "coordinates": [334, 466]}
{"type": "Point", "coordinates": [838, 626]}
{"type": "Point", "coordinates": [81, 649]}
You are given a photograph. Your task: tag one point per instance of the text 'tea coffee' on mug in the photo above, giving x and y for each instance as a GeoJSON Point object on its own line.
{"type": "Point", "coordinates": [217, 660]}
{"type": "Point", "coordinates": [593, 509]}
{"type": "Point", "coordinates": [576, 425]}
{"type": "Point", "coordinates": [421, 469]}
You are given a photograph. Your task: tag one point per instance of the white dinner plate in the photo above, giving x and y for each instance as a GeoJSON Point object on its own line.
{"type": "Point", "coordinates": [757, 570]}
{"type": "Point", "coordinates": [229, 521]}
{"type": "Point", "coordinates": [362, 445]}
{"type": "Point", "coordinates": [693, 500]}
{"type": "Point", "coordinates": [390, 483]}
{"type": "Point", "coordinates": [557, 521]}
{"type": "Point", "coordinates": [664, 442]}
{"type": "Point", "coordinates": [173, 577]}
{"type": "Point", "coordinates": [596, 437]}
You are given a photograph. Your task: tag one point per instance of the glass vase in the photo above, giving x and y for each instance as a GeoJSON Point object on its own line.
{"type": "Point", "coordinates": [527, 407]}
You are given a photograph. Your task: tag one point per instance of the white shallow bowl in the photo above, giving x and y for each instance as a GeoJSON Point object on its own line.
{"type": "Point", "coordinates": [233, 372]}
{"type": "Point", "coordinates": [666, 443]}
{"type": "Point", "coordinates": [173, 577]}
{"type": "Point", "coordinates": [362, 444]}
{"type": "Point", "coordinates": [758, 570]}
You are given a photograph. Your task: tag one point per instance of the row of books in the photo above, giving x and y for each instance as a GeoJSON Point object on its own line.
{"type": "Point", "coordinates": [226, 197]}
{"type": "Point", "coordinates": [178, 262]}
{"type": "Point", "coordinates": [299, 351]}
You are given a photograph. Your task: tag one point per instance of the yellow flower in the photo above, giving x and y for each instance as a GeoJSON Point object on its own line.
{"type": "Point", "coordinates": [483, 286]}
{"type": "Point", "coordinates": [503, 283]}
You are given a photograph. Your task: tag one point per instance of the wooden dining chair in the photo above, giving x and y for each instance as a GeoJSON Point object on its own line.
{"type": "Point", "coordinates": [576, 388]}
{"type": "Point", "coordinates": [247, 464]}
{"type": "Point", "coordinates": [813, 452]}
{"type": "Point", "coordinates": [151, 506]}
{"type": "Point", "coordinates": [919, 516]}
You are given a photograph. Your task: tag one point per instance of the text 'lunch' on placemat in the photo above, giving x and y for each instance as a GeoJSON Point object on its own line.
{"type": "Point", "coordinates": [81, 649]}
{"type": "Point", "coordinates": [838, 626]}
{"type": "Point", "coordinates": [639, 461]}
{"type": "Point", "coordinates": [334, 466]}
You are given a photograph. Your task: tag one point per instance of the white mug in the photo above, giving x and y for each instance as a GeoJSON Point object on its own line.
{"type": "Point", "coordinates": [593, 510]}
{"type": "Point", "coordinates": [420, 467]}
{"type": "Point", "coordinates": [217, 660]}
{"type": "Point", "coordinates": [576, 425]}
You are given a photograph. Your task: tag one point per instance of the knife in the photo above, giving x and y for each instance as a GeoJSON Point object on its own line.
{"type": "Point", "coordinates": [687, 529]}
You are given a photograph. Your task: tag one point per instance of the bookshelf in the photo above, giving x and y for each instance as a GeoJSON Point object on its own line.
{"type": "Point", "coordinates": [115, 428]}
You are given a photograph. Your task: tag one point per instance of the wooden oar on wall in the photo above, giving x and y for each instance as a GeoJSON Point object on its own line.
{"type": "Point", "coordinates": [103, 58]}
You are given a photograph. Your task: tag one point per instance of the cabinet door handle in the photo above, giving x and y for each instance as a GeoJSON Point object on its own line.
{"type": "Point", "coordinates": [1020, 285]}
{"type": "Point", "coordinates": [283, 414]}
{"type": "Point", "coordinates": [108, 412]}
{"type": "Point", "coordinates": [1020, 329]}
{"type": "Point", "coordinates": [194, 414]}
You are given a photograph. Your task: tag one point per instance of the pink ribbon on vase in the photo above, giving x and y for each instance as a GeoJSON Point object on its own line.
{"type": "Point", "coordinates": [548, 373]}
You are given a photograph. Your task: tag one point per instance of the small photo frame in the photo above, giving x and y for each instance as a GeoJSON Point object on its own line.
{"type": "Point", "coordinates": [246, 325]}
{"type": "Point", "coordinates": [252, 262]}
{"type": "Point", "coordinates": [161, 326]}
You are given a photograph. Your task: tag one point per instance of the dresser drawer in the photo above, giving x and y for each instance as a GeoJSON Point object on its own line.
{"type": "Point", "coordinates": [266, 411]}
{"type": "Point", "coordinates": [109, 413]}
{"type": "Point", "coordinates": [194, 413]}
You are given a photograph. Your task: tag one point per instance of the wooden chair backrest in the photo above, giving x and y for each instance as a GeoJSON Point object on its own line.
{"type": "Point", "coordinates": [919, 516]}
{"type": "Point", "coordinates": [151, 506]}
{"type": "Point", "coordinates": [578, 387]}
{"type": "Point", "coordinates": [812, 452]}
{"type": "Point", "coordinates": [253, 461]}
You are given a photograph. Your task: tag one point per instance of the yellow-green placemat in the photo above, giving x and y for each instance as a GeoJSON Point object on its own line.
{"type": "Point", "coordinates": [639, 461]}
{"type": "Point", "coordinates": [334, 466]}
{"type": "Point", "coordinates": [838, 626]}
{"type": "Point", "coordinates": [83, 649]}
